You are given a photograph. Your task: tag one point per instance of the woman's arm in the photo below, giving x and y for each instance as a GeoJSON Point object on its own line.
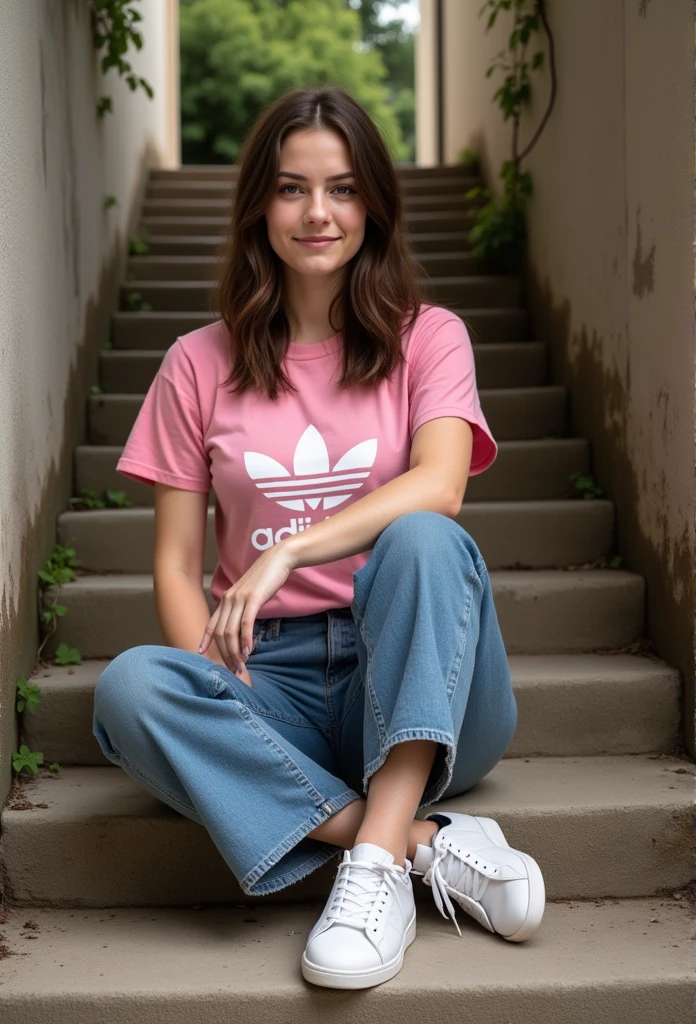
{"type": "Point", "coordinates": [440, 460]}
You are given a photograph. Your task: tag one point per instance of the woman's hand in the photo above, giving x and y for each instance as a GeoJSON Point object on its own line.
{"type": "Point", "coordinates": [232, 622]}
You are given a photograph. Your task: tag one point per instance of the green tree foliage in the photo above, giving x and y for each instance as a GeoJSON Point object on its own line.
{"type": "Point", "coordinates": [396, 45]}
{"type": "Point", "coordinates": [237, 56]}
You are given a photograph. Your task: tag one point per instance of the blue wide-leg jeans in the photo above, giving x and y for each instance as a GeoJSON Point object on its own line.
{"type": "Point", "coordinates": [417, 655]}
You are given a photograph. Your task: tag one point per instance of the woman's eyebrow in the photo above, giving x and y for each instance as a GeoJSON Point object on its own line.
{"type": "Point", "coordinates": [302, 177]}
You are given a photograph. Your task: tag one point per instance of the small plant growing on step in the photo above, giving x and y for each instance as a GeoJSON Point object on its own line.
{"type": "Point", "coordinates": [585, 485]}
{"type": "Point", "coordinates": [57, 569]}
{"type": "Point", "coordinates": [137, 304]}
{"type": "Point", "coordinates": [67, 655]}
{"type": "Point", "coordinates": [468, 158]}
{"type": "Point", "coordinates": [117, 499]}
{"type": "Point", "coordinates": [137, 246]}
{"type": "Point", "coordinates": [110, 201]}
{"type": "Point", "coordinates": [28, 697]}
{"type": "Point", "coordinates": [96, 390]}
{"type": "Point", "coordinates": [26, 758]}
{"type": "Point", "coordinates": [88, 499]}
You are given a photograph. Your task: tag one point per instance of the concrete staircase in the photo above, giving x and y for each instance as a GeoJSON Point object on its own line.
{"type": "Point", "coordinates": [115, 886]}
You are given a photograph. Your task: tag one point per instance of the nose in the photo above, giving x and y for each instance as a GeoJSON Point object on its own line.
{"type": "Point", "coordinates": [317, 209]}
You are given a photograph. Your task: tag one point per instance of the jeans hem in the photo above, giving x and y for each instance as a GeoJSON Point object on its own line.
{"type": "Point", "coordinates": [438, 736]}
{"type": "Point", "coordinates": [321, 814]}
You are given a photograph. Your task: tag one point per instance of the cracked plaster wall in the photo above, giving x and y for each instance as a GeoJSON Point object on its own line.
{"type": "Point", "coordinates": [610, 272]}
{"type": "Point", "coordinates": [61, 257]}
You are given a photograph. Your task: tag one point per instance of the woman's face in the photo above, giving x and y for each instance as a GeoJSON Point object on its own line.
{"type": "Point", "coordinates": [306, 203]}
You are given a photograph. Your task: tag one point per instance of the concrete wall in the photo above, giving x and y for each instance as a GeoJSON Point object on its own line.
{"type": "Point", "coordinates": [610, 278]}
{"type": "Point", "coordinates": [61, 257]}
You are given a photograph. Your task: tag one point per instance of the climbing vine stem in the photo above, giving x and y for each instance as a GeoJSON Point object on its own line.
{"type": "Point", "coordinates": [114, 26]}
{"type": "Point", "coordinates": [499, 233]}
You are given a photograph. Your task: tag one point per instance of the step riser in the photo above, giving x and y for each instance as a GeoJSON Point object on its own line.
{"type": "Point", "coordinates": [523, 471]}
{"type": "Point", "coordinates": [202, 268]}
{"type": "Point", "coordinates": [154, 858]}
{"type": "Point", "coordinates": [543, 535]}
{"type": "Point", "coordinates": [540, 612]}
{"type": "Point", "coordinates": [207, 243]}
{"type": "Point", "coordinates": [497, 366]}
{"type": "Point", "coordinates": [556, 718]}
{"type": "Point", "coordinates": [201, 225]}
{"type": "Point", "coordinates": [513, 414]}
{"type": "Point", "coordinates": [461, 291]}
{"type": "Point", "coordinates": [160, 330]}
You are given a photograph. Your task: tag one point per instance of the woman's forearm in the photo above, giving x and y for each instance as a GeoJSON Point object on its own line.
{"type": "Point", "coordinates": [182, 612]}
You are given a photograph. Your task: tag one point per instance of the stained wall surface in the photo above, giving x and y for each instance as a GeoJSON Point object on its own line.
{"type": "Point", "coordinates": [61, 256]}
{"type": "Point", "coordinates": [610, 275]}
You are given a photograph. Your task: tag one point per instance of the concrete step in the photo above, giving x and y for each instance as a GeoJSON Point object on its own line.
{"type": "Point", "coordinates": [212, 206]}
{"type": "Point", "coordinates": [161, 329]}
{"type": "Point", "coordinates": [513, 365]}
{"type": "Point", "coordinates": [622, 961]}
{"type": "Point", "coordinates": [568, 705]}
{"type": "Point", "coordinates": [510, 535]}
{"type": "Point", "coordinates": [513, 414]}
{"type": "Point", "coordinates": [207, 244]}
{"type": "Point", "coordinates": [501, 290]}
{"type": "Point", "coordinates": [449, 220]}
{"type": "Point", "coordinates": [597, 826]}
{"type": "Point", "coordinates": [523, 471]}
{"type": "Point", "coordinates": [216, 189]}
{"type": "Point", "coordinates": [542, 611]}
{"type": "Point", "coordinates": [228, 172]}
{"type": "Point", "coordinates": [205, 268]}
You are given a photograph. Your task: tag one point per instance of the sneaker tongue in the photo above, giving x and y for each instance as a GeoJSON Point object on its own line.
{"type": "Point", "coordinates": [368, 851]}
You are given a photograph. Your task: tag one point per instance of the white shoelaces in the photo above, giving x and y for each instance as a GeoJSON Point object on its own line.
{"type": "Point", "coordinates": [360, 884]}
{"type": "Point", "coordinates": [458, 875]}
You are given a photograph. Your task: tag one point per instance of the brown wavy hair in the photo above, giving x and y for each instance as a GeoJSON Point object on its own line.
{"type": "Point", "coordinates": [380, 287]}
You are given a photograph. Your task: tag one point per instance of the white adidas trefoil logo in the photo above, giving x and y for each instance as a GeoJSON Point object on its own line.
{"type": "Point", "coordinates": [312, 473]}
{"type": "Point", "coordinates": [312, 482]}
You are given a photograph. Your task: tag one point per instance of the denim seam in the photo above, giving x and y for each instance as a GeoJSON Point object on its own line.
{"type": "Point", "coordinates": [318, 818]}
{"type": "Point", "coordinates": [295, 770]}
{"type": "Point", "coordinates": [374, 703]}
{"type": "Point", "coordinates": [359, 692]}
{"type": "Point", "coordinates": [157, 786]}
{"type": "Point", "coordinates": [437, 735]}
{"type": "Point", "coordinates": [461, 645]}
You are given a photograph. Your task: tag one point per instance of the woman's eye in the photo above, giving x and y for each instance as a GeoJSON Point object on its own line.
{"type": "Point", "coordinates": [350, 190]}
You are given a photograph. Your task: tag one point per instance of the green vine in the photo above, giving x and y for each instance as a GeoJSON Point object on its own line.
{"type": "Point", "coordinates": [113, 26]}
{"type": "Point", "coordinates": [499, 235]}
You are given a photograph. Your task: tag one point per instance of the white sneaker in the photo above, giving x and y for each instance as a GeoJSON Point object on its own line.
{"type": "Point", "coordinates": [502, 888]}
{"type": "Point", "coordinates": [367, 924]}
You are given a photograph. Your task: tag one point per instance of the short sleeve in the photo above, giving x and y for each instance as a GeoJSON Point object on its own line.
{"type": "Point", "coordinates": [166, 444]}
{"type": "Point", "coordinates": [442, 382]}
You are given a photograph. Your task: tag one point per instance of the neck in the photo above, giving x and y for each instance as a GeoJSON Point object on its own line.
{"type": "Point", "coordinates": [307, 301]}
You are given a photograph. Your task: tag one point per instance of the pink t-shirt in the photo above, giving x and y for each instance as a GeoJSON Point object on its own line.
{"type": "Point", "coordinates": [277, 467]}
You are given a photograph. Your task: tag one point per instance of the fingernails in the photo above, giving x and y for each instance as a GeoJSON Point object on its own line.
{"type": "Point", "coordinates": [245, 652]}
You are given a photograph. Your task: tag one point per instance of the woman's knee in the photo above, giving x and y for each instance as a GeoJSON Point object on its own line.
{"type": "Point", "coordinates": [119, 690]}
{"type": "Point", "coordinates": [431, 533]}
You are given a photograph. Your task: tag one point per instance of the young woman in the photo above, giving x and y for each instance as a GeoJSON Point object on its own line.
{"type": "Point", "coordinates": [353, 670]}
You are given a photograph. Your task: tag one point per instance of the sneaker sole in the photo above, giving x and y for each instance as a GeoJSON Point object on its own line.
{"type": "Point", "coordinates": [537, 888]}
{"type": "Point", "coordinates": [359, 979]}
